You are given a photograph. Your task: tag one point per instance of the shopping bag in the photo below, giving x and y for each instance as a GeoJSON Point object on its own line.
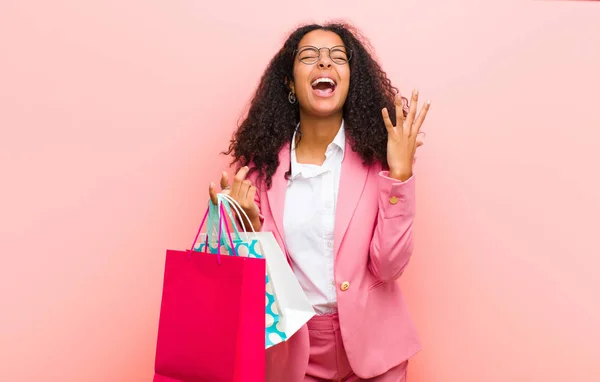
{"type": "Point", "coordinates": [289, 302]}
{"type": "Point", "coordinates": [211, 325]}
{"type": "Point", "coordinates": [294, 308]}
{"type": "Point", "coordinates": [274, 333]}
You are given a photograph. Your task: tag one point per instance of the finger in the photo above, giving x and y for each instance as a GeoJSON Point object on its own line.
{"type": "Point", "coordinates": [419, 143]}
{"type": "Point", "coordinates": [243, 193]}
{"type": "Point", "coordinates": [237, 181]}
{"type": "Point", "coordinates": [247, 206]}
{"type": "Point", "coordinates": [399, 114]}
{"type": "Point", "coordinates": [250, 199]}
{"type": "Point", "coordinates": [421, 118]}
{"type": "Point", "coordinates": [212, 193]}
{"type": "Point", "coordinates": [399, 110]}
{"type": "Point", "coordinates": [224, 180]}
{"type": "Point", "coordinates": [386, 119]}
{"type": "Point", "coordinates": [412, 110]}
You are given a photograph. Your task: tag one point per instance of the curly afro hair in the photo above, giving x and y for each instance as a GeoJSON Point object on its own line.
{"type": "Point", "coordinates": [271, 119]}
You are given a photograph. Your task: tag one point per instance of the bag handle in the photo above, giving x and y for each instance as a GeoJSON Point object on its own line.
{"type": "Point", "coordinates": [200, 228]}
{"type": "Point", "coordinates": [223, 202]}
{"type": "Point", "coordinates": [221, 215]}
{"type": "Point", "coordinates": [228, 210]}
{"type": "Point", "coordinates": [240, 211]}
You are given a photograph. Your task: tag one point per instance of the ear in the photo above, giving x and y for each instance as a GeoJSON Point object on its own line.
{"type": "Point", "coordinates": [290, 85]}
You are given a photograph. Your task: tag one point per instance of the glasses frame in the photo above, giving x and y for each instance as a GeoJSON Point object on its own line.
{"type": "Point", "coordinates": [347, 51]}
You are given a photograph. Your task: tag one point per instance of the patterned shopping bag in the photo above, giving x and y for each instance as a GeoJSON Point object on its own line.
{"type": "Point", "coordinates": [250, 247]}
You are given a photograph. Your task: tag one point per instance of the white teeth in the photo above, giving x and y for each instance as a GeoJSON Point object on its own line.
{"type": "Point", "coordinates": [323, 79]}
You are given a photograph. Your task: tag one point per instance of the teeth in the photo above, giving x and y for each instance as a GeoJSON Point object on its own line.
{"type": "Point", "coordinates": [323, 79]}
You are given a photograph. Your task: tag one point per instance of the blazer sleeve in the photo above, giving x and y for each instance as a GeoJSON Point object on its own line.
{"type": "Point", "coordinates": [392, 243]}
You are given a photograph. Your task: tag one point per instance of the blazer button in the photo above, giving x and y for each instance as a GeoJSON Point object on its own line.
{"type": "Point", "coordinates": [394, 200]}
{"type": "Point", "coordinates": [345, 285]}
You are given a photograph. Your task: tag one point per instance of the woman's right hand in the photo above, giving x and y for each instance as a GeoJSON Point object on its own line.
{"type": "Point", "coordinates": [242, 191]}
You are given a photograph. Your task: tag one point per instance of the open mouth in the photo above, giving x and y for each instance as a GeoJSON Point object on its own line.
{"type": "Point", "coordinates": [323, 86]}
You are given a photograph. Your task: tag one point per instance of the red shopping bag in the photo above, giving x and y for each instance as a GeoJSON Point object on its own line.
{"type": "Point", "coordinates": [212, 317]}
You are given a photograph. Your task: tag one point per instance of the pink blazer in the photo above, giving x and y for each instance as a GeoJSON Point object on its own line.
{"type": "Point", "coordinates": [373, 243]}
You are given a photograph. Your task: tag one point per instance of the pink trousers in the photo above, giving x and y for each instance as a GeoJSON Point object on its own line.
{"type": "Point", "coordinates": [328, 361]}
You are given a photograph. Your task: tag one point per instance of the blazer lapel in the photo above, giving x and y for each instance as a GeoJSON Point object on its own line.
{"type": "Point", "coordinates": [352, 183]}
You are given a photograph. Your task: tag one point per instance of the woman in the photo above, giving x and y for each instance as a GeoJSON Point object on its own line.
{"type": "Point", "coordinates": [322, 165]}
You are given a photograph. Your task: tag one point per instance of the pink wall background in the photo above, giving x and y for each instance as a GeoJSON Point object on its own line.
{"type": "Point", "coordinates": [112, 114]}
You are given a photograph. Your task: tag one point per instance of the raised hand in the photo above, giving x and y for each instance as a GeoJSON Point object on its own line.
{"type": "Point", "coordinates": [243, 192]}
{"type": "Point", "coordinates": [402, 138]}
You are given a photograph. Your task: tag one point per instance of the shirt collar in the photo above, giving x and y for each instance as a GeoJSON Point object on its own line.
{"type": "Point", "coordinates": [340, 138]}
{"type": "Point", "coordinates": [339, 141]}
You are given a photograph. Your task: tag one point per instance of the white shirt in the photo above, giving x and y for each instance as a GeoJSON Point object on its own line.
{"type": "Point", "coordinates": [309, 219]}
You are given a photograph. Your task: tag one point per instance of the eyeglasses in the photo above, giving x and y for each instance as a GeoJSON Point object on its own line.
{"type": "Point", "coordinates": [311, 55]}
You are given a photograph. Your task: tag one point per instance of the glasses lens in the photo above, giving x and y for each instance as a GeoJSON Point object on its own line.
{"type": "Point", "coordinates": [308, 55]}
{"type": "Point", "coordinates": [339, 55]}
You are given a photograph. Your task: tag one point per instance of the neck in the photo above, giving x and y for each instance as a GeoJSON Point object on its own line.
{"type": "Point", "coordinates": [317, 134]}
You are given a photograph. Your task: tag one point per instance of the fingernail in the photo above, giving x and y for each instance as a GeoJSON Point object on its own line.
{"type": "Point", "coordinates": [428, 102]}
{"type": "Point", "coordinates": [212, 184]}
{"type": "Point", "coordinates": [416, 91]}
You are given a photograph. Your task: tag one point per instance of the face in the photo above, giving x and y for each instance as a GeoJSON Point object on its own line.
{"type": "Point", "coordinates": [321, 82]}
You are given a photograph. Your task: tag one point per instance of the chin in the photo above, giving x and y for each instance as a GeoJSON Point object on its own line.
{"type": "Point", "coordinates": [323, 112]}
{"type": "Point", "coordinates": [323, 108]}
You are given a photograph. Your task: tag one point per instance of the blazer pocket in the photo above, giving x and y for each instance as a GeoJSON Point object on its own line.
{"type": "Point", "coordinates": [376, 285]}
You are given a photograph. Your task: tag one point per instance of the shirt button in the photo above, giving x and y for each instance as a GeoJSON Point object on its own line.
{"type": "Point", "coordinates": [345, 285]}
{"type": "Point", "coordinates": [329, 244]}
{"type": "Point", "coordinates": [328, 205]}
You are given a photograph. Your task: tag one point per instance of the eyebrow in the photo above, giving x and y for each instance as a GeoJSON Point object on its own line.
{"type": "Point", "coordinates": [312, 46]}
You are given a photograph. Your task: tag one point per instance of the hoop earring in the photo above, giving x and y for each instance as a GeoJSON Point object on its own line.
{"type": "Point", "coordinates": [292, 98]}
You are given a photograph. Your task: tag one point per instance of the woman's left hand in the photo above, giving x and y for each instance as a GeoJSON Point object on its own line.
{"type": "Point", "coordinates": [402, 138]}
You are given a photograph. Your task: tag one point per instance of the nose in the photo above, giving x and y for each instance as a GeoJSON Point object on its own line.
{"type": "Point", "coordinates": [325, 63]}
{"type": "Point", "coordinates": [324, 60]}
